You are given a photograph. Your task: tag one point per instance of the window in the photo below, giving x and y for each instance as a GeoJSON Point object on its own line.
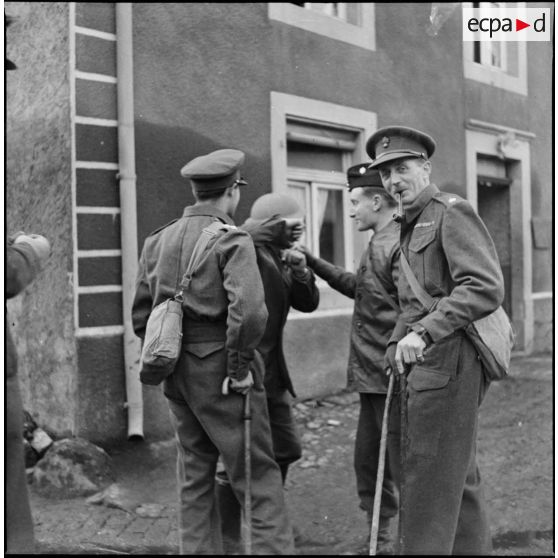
{"type": "Point", "coordinates": [488, 53]}
{"type": "Point", "coordinates": [501, 64]}
{"type": "Point", "coordinates": [349, 22]}
{"type": "Point", "coordinates": [317, 157]}
{"type": "Point", "coordinates": [348, 12]}
{"type": "Point", "coordinates": [313, 143]}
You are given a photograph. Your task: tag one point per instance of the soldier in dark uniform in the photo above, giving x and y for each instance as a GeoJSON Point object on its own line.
{"type": "Point", "coordinates": [454, 259]}
{"type": "Point", "coordinates": [224, 321]}
{"type": "Point", "coordinates": [374, 317]}
{"type": "Point", "coordinates": [275, 222]}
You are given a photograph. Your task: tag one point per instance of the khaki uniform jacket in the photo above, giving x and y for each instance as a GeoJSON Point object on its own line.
{"type": "Point", "coordinates": [373, 317]}
{"type": "Point", "coordinates": [224, 305]}
{"type": "Point", "coordinates": [454, 259]}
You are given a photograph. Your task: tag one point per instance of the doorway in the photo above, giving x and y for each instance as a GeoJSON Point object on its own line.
{"type": "Point", "coordinates": [494, 208]}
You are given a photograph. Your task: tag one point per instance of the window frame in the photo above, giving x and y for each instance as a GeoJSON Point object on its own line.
{"type": "Point", "coordinates": [328, 181]}
{"type": "Point", "coordinates": [362, 35]}
{"type": "Point", "coordinates": [364, 123]}
{"type": "Point", "coordinates": [496, 76]}
{"type": "Point", "coordinates": [487, 47]}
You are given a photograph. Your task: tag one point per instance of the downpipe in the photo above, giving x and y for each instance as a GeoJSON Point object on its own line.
{"type": "Point", "coordinates": [128, 212]}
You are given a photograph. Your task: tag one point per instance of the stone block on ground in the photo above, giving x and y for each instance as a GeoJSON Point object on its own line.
{"type": "Point", "coordinates": [71, 468]}
{"type": "Point", "coordinates": [163, 450]}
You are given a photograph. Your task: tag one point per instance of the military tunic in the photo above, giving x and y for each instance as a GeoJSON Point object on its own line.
{"type": "Point", "coordinates": [224, 320]}
{"type": "Point", "coordinates": [454, 259]}
{"type": "Point", "coordinates": [372, 324]}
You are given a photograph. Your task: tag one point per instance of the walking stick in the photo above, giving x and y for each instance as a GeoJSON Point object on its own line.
{"type": "Point", "coordinates": [402, 454]}
{"type": "Point", "coordinates": [380, 476]}
{"type": "Point", "coordinates": [247, 417]}
{"type": "Point", "coordinates": [248, 473]}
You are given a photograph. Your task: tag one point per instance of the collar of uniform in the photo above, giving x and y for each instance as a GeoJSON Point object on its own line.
{"type": "Point", "coordinates": [389, 229]}
{"type": "Point", "coordinates": [420, 203]}
{"type": "Point", "coordinates": [209, 211]}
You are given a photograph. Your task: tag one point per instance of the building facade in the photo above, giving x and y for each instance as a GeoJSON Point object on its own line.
{"type": "Point", "coordinates": [299, 88]}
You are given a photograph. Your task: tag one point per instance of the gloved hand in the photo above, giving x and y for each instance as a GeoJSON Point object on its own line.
{"type": "Point", "coordinates": [40, 245]}
{"type": "Point", "coordinates": [242, 386]}
{"type": "Point", "coordinates": [389, 359]}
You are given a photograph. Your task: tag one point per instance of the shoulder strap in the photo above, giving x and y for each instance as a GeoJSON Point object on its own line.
{"type": "Point", "coordinates": [207, 234]}
{"type": "Point", "coordinates": [425, 299]}
{"type": "Point", "coordinates": [387, 296]}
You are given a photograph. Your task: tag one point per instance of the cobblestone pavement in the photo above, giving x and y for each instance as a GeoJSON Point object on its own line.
{"type": "Point", "coordinates": [137, 515]}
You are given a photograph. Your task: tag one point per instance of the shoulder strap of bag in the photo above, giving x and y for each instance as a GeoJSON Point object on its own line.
{"type": "Point", "coordinates": [387, 296]}
{"type": "Point", "coordinates": [425, 299]}
{"type": "Point", "coordinates": [207, 234]}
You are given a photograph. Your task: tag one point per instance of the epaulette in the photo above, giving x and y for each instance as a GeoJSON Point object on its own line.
{"type": "Point", "coordinates": [446, 199]}
{"type": "Point", "coordinates": [218, 226]}
{"type": "Point", "coordinates": [163, 227]}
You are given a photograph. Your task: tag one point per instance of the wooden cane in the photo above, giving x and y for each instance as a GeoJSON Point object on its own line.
{"type": "Point", "coordinates": [247, 417]}
{"type": "Point", "coordinates": [380, 475]}
{"type": "Point", "coordinates": [402, 454]}
{"type": "Point", "coordinates": [248, 474]}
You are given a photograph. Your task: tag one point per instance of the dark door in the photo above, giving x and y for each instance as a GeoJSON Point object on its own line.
{"type": "Point", "coordinates": [494, 210]}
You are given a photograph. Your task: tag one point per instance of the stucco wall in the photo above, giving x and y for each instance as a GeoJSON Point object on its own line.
{"type": "Point", "coordinates": [317, 351]}
{"type": "Point", "coordinates": [209, 88]}
{"type": "Point", "coordinates": [38, 200]}
{"type": "Point", "coordinates": [411, 78]}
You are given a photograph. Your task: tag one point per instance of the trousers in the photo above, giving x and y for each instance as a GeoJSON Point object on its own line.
{"type": "Point", "coordinates": [19, 522]}
{"type": "Point", "coordinates": [366, 453]}
{"type": "Point", "coordinates": [209, 424]}
{"type": "Point", "coordinates": [287, 447]}
{"type": "Point", "coordinates": [443, 507]}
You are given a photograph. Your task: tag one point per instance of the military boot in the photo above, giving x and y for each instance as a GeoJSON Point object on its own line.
{"type": "Point", "coordinates": [386, 536]}
{"type": "Point", "coordinates": [230, 514]}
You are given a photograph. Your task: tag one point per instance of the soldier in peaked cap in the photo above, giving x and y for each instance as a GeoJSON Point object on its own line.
{"type": "Point", "coordinates": [452, 257]}
{"type": "Point", "coordinates": [396, 142]}
{"type": "Point", "coordinates": [374, 289]}
{"type": "Point", "coordinates": [224, 320]}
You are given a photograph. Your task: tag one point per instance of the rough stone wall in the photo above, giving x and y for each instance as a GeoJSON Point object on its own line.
{"type": "Point", "coordinates": [38, 200]}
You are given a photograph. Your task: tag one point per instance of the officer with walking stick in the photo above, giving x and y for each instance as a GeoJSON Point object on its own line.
{"type": "Point", "coordinates": [446, 252]}
{"type": "Point", "coordinates": [374, 289]}
{"type": "Point", "coordinates": [224, 320]}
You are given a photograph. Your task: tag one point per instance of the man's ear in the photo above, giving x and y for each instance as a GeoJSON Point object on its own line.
{"type": "Point", "coordinates": [377, 202]}
{"type": "Point", "coordinates": [427, 166]}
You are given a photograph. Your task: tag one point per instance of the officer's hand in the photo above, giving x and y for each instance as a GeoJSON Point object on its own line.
{"type": "Point", "coordinates": [389, 359]}
{"type": "Point", "coordinates": [295, 259]}
{"type": "Point", "coordinates": [40, 245]}
{"type": "Point", "coordinates": [242, 386]}
{"type": "Point", "coordinates": [409, 351]}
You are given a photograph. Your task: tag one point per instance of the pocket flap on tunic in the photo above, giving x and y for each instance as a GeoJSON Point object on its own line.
{"type": "Point", "coordinates": [421, 239]}
{"type": "Point", "coordinates": [422, 379]}
{"type": "Point", "coordinates": [201, 350]}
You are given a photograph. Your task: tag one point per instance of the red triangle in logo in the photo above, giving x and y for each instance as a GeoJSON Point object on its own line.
{"type": "Point", "coordinates": [519, 25]}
